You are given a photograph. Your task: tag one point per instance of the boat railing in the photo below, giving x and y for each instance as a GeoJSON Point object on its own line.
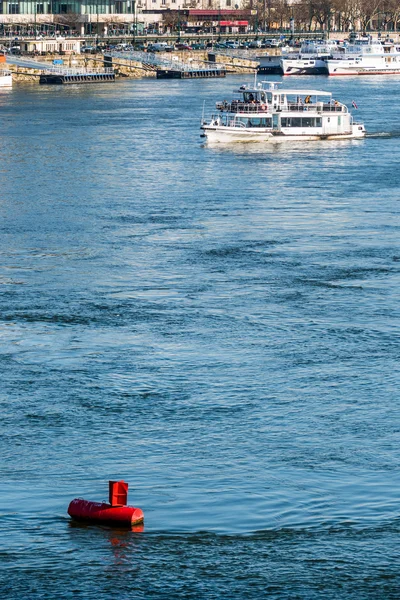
{"type": "Point", "coordinates": [248, 107]}
{"type": "Point", "coordinates": [317, 106]}
{"type": "Point", "coordinates": [242, 107]}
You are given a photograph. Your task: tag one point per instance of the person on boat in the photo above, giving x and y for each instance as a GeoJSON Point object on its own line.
{"type": "Point", "coordinates": [307, 100]}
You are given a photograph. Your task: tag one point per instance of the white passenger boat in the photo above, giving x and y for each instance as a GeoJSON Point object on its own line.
{"type": "Point", "coordinates": [265, 113]}
{"type": "Point", "coordinates": [311, 60]}
{"type": "Point", "coordinates": [366, 56]}
{"type": "Point", "coordinates": [5, 78]}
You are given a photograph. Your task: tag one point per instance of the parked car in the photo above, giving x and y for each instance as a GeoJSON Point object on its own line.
{"type": "Point", "coordinates": [233, 45]}
{"type": "Point", "coordinates": [88, 50]}
{"type": "Point", "coordinates": [270, 44]}
{"type": "Point", "coordinates": [198, 46]}
{"type": "Point", "coordinates": [160, 47]}
{"type": "Point", "coordinates": [255, 44]}
{"type": "Point", "coordinates": [181, 46]}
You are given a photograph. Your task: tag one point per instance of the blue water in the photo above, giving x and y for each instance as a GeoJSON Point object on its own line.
{"type": "Point", "coordinates": [218, 326]}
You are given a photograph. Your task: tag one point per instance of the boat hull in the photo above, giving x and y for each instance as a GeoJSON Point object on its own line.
{"type": "Point", "coordinates": [223, 135]}
{"type": "Point", "coordinates": [369, 66]}
{"type": "Point", "coordinates": [272, 70]}
{"type": "Point", "coordinates": [304, 67]}
{"type": "Point", "coordinates": [344, 72]}
{"type": "Point", "coordinates": [6, 79]}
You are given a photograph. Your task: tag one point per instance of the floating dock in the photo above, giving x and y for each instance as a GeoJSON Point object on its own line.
{"type": "Point", "coordinates": [169, 68]}
{"type": "Point", "coordinates": [188, 74]}
{"type": "Point", "coordinates": [74, 76]}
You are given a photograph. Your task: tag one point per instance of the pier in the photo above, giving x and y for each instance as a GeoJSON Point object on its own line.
{"type": "Point", "coordinates": [168, 68]}
{"type": "Point", "coordinates": [59, 75]}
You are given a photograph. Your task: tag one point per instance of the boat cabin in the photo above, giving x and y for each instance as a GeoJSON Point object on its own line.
{"type": "Point", "coordinates": [266, 97]}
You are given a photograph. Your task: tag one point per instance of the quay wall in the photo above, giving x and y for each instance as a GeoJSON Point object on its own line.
{"type": "Point", "coordinates": [125, 67]}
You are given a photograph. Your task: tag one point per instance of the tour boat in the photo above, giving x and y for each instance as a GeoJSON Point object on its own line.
{"type": "Point", "coordinates": [264, 113]}
{"type": "Point", "coordinates": [366, 56]}
{"type": "Point", "coordinates": [5, 78]}
{"type": "Point", "coordinates": [311, 60]}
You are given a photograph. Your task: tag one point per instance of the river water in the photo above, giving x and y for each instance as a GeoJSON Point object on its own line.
{"type": "Point", "coordinates": [217, 326]}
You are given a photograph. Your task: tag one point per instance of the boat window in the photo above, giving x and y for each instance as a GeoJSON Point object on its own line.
{"type": "Point", "coordinates": [248, 97]}
{"type": "Point", "coordinates": [258, 122]}
{"type": "Point", "coordinates": [301, 122]}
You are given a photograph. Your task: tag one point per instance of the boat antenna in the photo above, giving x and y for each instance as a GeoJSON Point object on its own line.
{"type": "Point", "coordinates": [202, 115]}
{"type": "Point", "coordinates": [255, 78]}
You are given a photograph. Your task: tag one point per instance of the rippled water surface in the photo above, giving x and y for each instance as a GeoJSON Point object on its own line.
{"type": "Point", "coordinates": [216, 325]}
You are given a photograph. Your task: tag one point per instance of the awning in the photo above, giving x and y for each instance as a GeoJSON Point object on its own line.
{"type": "Point", "coordinates": [233, 23]}
{"type": "Point", "coordinates": [218, 13]}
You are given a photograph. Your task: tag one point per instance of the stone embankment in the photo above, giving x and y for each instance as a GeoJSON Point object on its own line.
{"type": "Point", "coordinates": [235, 63]}
{"type": "Point", "coordinates": [125, 67]}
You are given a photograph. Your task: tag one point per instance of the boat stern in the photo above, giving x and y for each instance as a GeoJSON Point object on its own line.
{"type": "Point", "coordinates": [358, 130]}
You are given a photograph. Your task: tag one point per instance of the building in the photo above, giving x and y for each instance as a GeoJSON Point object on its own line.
{"type": "Point", "coordinates": [118, 17]}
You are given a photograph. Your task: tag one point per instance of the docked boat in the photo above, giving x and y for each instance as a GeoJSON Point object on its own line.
{"type": "Point", "coordinates": [366, 56]}
{"type": "Point", "coordinates": [269, 65]}
{"type": "Point", "coordinates": [265, 113]}
{"type": "Point", "coordinates": [5, 78]}
{"type": "Point", "coordinates": [311, 60]}
{"type": "Point", "coordinates": [5, 74]}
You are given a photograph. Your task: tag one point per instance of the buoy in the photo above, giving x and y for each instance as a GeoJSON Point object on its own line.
{"type": "Point", "coordinates": [114, 513]}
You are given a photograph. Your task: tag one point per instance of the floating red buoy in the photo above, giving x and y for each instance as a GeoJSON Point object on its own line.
{"type": "Point", "coordinates": [114, 513]}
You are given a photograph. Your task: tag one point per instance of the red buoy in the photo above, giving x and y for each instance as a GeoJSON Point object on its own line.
{"type": "Point", "coordinates": [114, 513]}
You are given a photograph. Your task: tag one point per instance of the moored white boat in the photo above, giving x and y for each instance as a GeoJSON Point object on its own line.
{"type": "Point", "coordinates": [366, 56]}
{"type": "Point", "coordinates": [264, 113]}
{"type": "Point", "coordinates": [5, 78]}
{"type": "Point", "coordinates": [310, 60]}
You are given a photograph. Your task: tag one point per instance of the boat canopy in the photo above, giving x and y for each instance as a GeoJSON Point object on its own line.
{"type": "Point", "coordinates": [274, 88]}
{"type": "Point", "coordinates": [302, 92]}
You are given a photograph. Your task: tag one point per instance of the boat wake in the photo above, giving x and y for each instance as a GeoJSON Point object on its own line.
{"type": "Point", "coordinates": [383, 134]}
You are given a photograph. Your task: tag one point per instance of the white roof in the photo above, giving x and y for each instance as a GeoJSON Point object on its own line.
{"type": "Point", "coordinates": [283, 91]}
{"type": "Point", "coordinates": [304, 92]}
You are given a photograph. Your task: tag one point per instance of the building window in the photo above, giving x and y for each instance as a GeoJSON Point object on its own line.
{"type": "Point", "coordinates": [39, 9]}
{"type": "Point", "coordinates": [229, 2]}
{"type": "Point", "coordinates": [163, 2]}
{"type": "Point", "coordinates": [119, 7]}
{"type": "Point", "coordinates": [13, 9]}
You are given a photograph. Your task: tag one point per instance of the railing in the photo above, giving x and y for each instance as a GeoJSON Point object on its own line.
{"type": "Point", "coordinates": [244, 107]}
{"type": "Point", "coordinates": [158, 61]}
{"type": "Point", "coordinates": [78, 71]}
